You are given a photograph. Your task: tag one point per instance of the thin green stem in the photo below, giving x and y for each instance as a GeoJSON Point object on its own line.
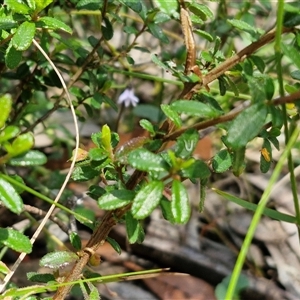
{"type": "Point", "coordinates": [278, 57]}
{"type": "Point", "coordinates": [41, 196]}
{"type": "Point", "coordinates": [285, 155]}
{"type": "Point", "coordinates": [146, 76]}
{"type": "Point", "coordinates": [257, 215]}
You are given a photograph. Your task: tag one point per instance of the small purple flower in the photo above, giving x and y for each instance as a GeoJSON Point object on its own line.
{"type": "Point", "coordinates": [128, 98]}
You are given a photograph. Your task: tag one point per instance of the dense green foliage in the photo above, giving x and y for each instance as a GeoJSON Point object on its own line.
{"type": "Point", "coordinates": [247, 94]}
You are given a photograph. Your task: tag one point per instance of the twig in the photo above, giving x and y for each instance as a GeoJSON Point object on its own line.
{"type": "Point", "coordinates": [188, 92]}
{"type": "Point", "coordinates": [110, 218]}
{"type": "Point", "coordinates": [40, 212]}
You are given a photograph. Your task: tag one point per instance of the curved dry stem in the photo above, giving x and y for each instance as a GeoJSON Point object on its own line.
{"type": "Point", "coordinates": [41, 226]}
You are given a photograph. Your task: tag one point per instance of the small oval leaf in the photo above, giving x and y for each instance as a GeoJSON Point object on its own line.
{"type": "Point", "coordinates": [115, 199]}
{"type": "Point", "coordinates": [135, 231]}
{"type": "Point", "coordinates": [246, 126]}
{"type": "Point", "coordinates": [145, 160]}
{"type": "Point", "coordinates": [171, 114]}
{"type": "Point", "coordinates": [8, 132]}
{"type": "Point", "coordinates": [3, 268]}
{"type": "Point", "coordinates": [147, 199]}
{"type": "Point", "coordinates": [221, 161]}
{"type": "Point", "coordinates": [75, 240]}
{"type": "Point", "coordinates": [17, 7]}
{"type": "Point", "coordinates": [15, 240]}
{"type": "Point", "coordinates": [243, 26]}
{"type": "Point", "coordinates": [9, 197]}
{"type": "Point", "coordinates": [107, 30]}
{"type": "Point", "coordinates": [12, 57]}
{"type": "Point", "coordinates": [195, 108]}
{"type": "Point", "coordinates": [58, 259]}
{"type": "Point", "coordinates": [114, 244]}
{"type": "Point", "coordinates": [52, 23]}
{"type": "Point", "coordinates": [21, 144]}
{"type": "Point", "coordinates": [5, 108]}
{"type": "Point", "coordinates": [24, 36]}
{"type": "Point", "coordinates": [180, 204]}
{"type": "Point", "coordinates": [30, 158]}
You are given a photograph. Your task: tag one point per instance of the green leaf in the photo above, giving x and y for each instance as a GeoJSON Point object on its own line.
{"type": "Point", "coordinates": [106, 100]}
{"type": "Point", "coordinates": [9, 197]}
{"type": "Point", "coordinates": [221, 161]}
{"type": "Point", "coordinates": [106, 138]}
{"type": "Point", "coordinates": [85, 216]}
{"type": "Point", "coordinates": [7, 22]}
{"type": "Point", "coordinates": [169, 7]}
{"type": "Point", "coordinates": [291, 16]}
{"type": "Point", "coordinates": [40, 277]}
{"type": "Point", "coordinates": [58, 259]}
{"type": "Point", "coordinates": [159, 63]}
{"type": "Point", "coordinates": [75, 240]}
{"type": "Point", "coordinates": [107, 30]}
{"type": "Point", "coordinates": [243, 26]}
{"type": "Point", "coordinates": [147, 126]}
{"type": "Point", "coordinates": [5, 108]}
{"type": "Point", "coordinates": [180, 204]}
{"type": "Point", "coordinates": [15, 240]}
{"type": "Point", "coordinates": [198, 169]}
{"type": "Point", "coordinates": [269, 88]}
{"type": "Point", "coordinates": [167, 210]}
{"type": "Point", "coordinates": [84, 173]}
{"type": "Point", "coordinates": [17, 7]}
{"type": "Point", "coordinates": [186, 143]}
{"type": "Point", "coordinates": [52, 23]}
{"type": "Point", "coordinates": [157, 32]}
{"type": "Point", "coordinates": [204, 34]}
{"type": "Point", "coordinates": [41, 4]}
{"type": "Point", "coordinates": [24, 36]}
{"type": "Point", "coordinates": [145, 160]}
{"type": "Point", "coordinates": [276, 215]}
{"type": "Point", "coordinates": [274, 141]}
{"type": "Point", "coordinates": [12, 57]}
{"type": "Point", "coordinates": [222, 287]}
{"type": "Point", "coordinates": [20, 145]}
{"type": "Point", "coordinates": [114, 244]}
{"type": "Point", "coordinates": [238, 161]}
{"type": "Point", "coordinates": [96, 191]}
{"type": "Point", "coordinates": [171, 114]}
{"type": "Point", "coordinates": [295, 74]}
{"type": "Point", "coordinates": [222, 85]}
{"type": "Point", "coordinates": [122, 153]}
{"type": "Point", "coordinates": [292, 53]}
{"type": "Point", "coordinates": [135, 231]}
{"type": "Point", "coordinates": [115, 199]}
{"type": "Point", "coordinates": [30, 158]}
{"type": "Point", "coordinates": [31, 4]}
{"type": "Point", "coordinates": [3, 268]}
{"type": "Point", "coordinates": [246, 126]}
{"type": "Point", "coordinates": [8, 132]}
{"type": "Point", "coordinates": [147, 199]}
{"type": "Point", "coordinates": [136, 6]}
{"type": "Point", "coordinates": [195, 108]}
{"type": "Point", "coordinates": [88, 4]}
{"type": "Point", "coordinates": [258, 62]}
{"type": "Point", "coordinates": [97, 154]}
{"type": "Point", "coordinates": [200, 10]}
{"type": "Point", "coordinates": [277, 118]}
